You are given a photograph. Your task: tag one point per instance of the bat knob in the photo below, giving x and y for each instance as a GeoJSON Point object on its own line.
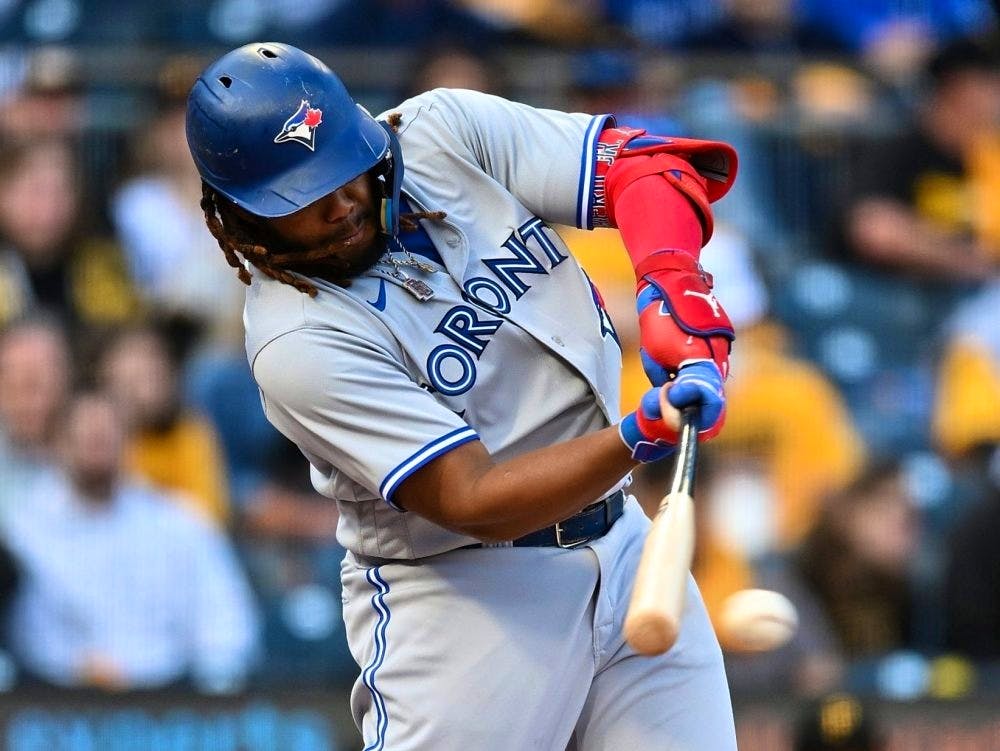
{"type": "Point", "coordinates": [650, 633]}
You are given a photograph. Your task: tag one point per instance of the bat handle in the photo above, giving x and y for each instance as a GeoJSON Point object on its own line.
{"type": "Point", "coordinates": [686, 460]}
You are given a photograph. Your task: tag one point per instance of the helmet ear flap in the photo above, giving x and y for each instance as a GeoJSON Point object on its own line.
{"type": "Point", "coordinates": [391, 180]}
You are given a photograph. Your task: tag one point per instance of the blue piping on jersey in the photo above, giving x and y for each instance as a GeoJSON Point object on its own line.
{"type": "Point", "coordinates": [432, 450]}
{"type": "Point", "coordinates": [585, 190]}
{"type": "Point", "coordinates": [368, 676]}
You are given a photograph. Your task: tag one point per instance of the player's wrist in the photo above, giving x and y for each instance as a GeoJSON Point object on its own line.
{"type": "Point", "coordinates": [649, 434]}
{"type": "Point", "coordinates": [641, 447]}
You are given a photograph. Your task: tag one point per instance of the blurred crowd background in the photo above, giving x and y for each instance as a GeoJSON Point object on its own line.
{"type": "Point", "coordinates": [158, 534]}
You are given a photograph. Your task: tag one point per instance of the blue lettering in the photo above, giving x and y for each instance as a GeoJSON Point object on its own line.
{"type": "Point", "coordinates": [258, 727]}
{"type": "Point", "coordinates": [535, 229]}
{"type": "Point", "coordinates": [488, 294]}
{"type": "Point", "coordinates": [507, 269]}
{"type": "Point", "coordinates": [451, 369]}
{"type": "Point", "coordinates": [463, 326]}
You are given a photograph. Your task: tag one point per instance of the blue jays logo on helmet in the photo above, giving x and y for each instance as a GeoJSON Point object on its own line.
{"type": "Point", "coordinates": [235, 109]}
{"type": "Point", "coordinates": [301, 127]}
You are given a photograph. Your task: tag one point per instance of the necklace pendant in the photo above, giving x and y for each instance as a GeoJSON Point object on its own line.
{"type": "Point", "coordinates": [418, 288]}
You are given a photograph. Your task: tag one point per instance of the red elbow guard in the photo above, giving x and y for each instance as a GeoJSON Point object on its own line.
{"type": "Point", "coordinates": [658, 202]}
{"type": "Point", "coordinates": [657, 191]}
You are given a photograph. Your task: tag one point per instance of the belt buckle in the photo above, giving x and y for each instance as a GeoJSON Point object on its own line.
{"type": "Point", "coordinates": [571, 543]}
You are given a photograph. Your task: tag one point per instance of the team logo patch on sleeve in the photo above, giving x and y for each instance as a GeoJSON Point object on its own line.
{"type": "Point", "coordinates": [301, 127]}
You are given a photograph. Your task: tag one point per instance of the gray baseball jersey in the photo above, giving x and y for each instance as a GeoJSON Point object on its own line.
{"type": "Point", "coordinates": [506, 342]}
{"type": "Point", "coordinates": [513, 349]}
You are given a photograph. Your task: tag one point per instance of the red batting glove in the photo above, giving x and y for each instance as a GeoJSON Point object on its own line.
{"type": "Point", "coordinates": [680, 320]}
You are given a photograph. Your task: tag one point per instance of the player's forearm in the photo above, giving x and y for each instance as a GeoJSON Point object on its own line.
{"type": "Point", "coordinates": [471, 494]}
{"type": "Point", "coordinates": [544, 486]}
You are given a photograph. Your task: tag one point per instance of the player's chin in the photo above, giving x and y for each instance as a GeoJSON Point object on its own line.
{"type": "Point", "coordinates": [364, 263]}
{"type": "Point", "coordinates": [351, 261]}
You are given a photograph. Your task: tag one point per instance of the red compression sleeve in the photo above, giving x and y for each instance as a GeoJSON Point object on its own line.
{"type": "Point", "coordinates": [657, 190]}
{"type": "Point", "coordinates": [653, 215]}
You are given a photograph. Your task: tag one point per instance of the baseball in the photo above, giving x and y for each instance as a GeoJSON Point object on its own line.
{"type": "Point", "coordinates": [757, 620]}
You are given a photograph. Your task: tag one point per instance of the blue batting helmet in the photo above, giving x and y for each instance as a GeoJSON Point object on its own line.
{"type": "Point", "coordinates": [273, 129]}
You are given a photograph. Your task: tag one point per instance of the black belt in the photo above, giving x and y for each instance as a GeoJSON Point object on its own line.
{"type": "Point", "coordinates": [592, 522]}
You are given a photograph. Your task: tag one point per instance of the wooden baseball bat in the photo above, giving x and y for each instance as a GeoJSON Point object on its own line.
{"type": "Point", "coordinates": [654, 615]}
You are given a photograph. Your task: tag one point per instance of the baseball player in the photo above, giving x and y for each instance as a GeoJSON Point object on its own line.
{"type": "Point", "coordinates": [430, 345]}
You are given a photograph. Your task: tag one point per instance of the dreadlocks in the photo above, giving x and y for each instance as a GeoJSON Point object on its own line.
{"type": "Point", "coordinates": [233, 234]}
{"type": "Point", "coordinates": [224, 227]}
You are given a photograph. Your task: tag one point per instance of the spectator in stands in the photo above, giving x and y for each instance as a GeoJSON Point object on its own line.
{"type": "Point", "coordinates": [286, 531]}
{"type": "Point", "coordinates": [34, 381]}
{"type": "Point", "coordinates": [972, 570]}
{"type": "Point", "coordinates": [665, 24]}
{"type": "Point", "coordinates": [732, 553]}
{"type": "Point", "coordinates": [397, 24]}
{"type": "Point", "coordinates": [914, 208]}
{"type": "Point", "coordinates": [610, 79]}
{"type": "Point", "coordinates": [454, 65]}
{"type": "Point", "coordinates": [852, 582]}
{"type": "Point", "coordinates": [122, 587]}
{"type": "Point", "coordinates": [173, 258]}
{"type": "Point", "coordinates": [563, 22]}
{"type": "Point", "coordinates": [48, 99]}
{"type": "Point", "coordinates": [169, 445]}
{"type": "Point", "coordinates": [858, 561]}
{"type": "Point", "coordinates": [47, 262]}
{"type": "Point", "coordinates": [719, 568]}
{"type": "Point", "coordinates": [800, 461]}
{"type": "Point", "coordinates": [289, 543]}
{"type": "Point", "coordinates": [967, 402]}
{"type": "Point", "coordinates": [219, 386]}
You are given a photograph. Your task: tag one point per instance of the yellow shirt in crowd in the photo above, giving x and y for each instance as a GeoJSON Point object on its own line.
{"type": "Point", "coordinates": [186, 459]}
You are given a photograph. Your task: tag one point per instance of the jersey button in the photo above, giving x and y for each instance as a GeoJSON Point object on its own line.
{"type": "Point", "coordinates": [452, 241]}
{"type": "Point", "coordinates": [558, 340]}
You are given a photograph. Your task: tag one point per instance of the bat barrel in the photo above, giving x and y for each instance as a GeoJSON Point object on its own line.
{"type": "Point", "coordinates": [653, 621]}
